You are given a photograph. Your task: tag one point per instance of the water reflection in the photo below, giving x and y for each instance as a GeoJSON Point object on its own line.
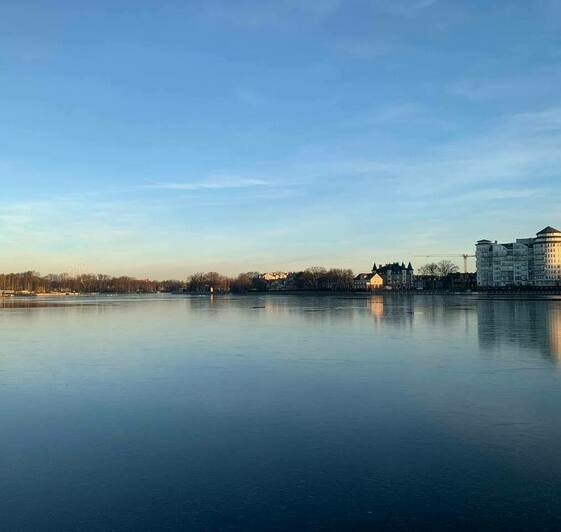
{"type": "Point", "coordinates": [376, 307]}
{"type": "Point", "coordinates": [410, 312]}
{"type": "Point", "coordinates": [391, 310]}
{"type": "Point", "coordinates": [279, 412]}
{"type": "Point", "coordinates": [527, 324]}
{"type": "Point", "coordinates": [500, 324]}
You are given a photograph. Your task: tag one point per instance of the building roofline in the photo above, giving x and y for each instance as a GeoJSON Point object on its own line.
{"type": "Point", "coordinates": [548, 230]}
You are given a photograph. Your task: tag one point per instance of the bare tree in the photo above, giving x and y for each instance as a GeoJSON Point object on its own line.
{"type": "Point", "coordinates": [337, 279]}
{"type": "Point", "coordinates": [442, 269]}
{"type": "Point", "coordinates": [243, 283]}
{"type": "Point", "coordinates": [446, 267]}
{"type": "Point", "coordinates": [197, 282]}
{"type": "Point", "coordinates": [429, 269]}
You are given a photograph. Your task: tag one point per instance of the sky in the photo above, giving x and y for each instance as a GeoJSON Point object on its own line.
{"type": "Point", "coordinates": [163, 138]}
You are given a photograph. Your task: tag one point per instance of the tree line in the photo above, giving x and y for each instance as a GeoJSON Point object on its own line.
{"type": "Point", "coordinates": [314, 278]}
{"type": "Point", "coordinates": [87, 283]}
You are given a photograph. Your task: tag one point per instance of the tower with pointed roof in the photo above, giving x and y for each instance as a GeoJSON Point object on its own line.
{"type": "Point", "coordinates": [397, 275]}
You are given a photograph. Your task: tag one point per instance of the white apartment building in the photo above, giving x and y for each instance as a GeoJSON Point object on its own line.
{"type": "Point", "coordinates": [528, 261]}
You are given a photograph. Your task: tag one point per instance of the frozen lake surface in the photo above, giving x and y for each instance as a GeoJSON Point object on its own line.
{"type": "Point", "coordinates": [278, 412]}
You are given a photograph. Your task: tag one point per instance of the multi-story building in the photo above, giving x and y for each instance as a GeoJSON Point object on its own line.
{"type": "Point", "coordinates": [525, 262]}
{"type": "Point", "coordinates": [392, 275]}
{"type": "Point", "coordinates": [395, 275]}
{"type": "Point", "coordinates": [368, 281]}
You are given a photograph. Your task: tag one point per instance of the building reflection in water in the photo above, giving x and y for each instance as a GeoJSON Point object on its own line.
{"type": "Point", "coordinates": [376, 306]}
{"type": "Point", "coordinates": [394, 309]}
{"type": "Point", "coordinates": [422, 312]}
{"type": "Point", "coordinates": [526, 324]}
{"type": "Point", "coordinates": [497, 324]}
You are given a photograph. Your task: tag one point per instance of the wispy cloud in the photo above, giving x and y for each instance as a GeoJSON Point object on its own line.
{"type": "Point", "coordinates": [514, 158]}
{"type": "Point", "coordinates": [547, 120]}
{"type": "Point", "coordinates": [407, 112]}
{"type": "Point", "coordinates": [215, 183]}
{"type": "Point", "coordinates": [535, 82]}
{"type": "Point", "coordinates": [453, 188]}
{"type": "Point", "coordinates": [484, 89]}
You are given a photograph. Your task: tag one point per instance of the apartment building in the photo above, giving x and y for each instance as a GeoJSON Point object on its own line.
{"type": "Point", "coordinates": [525, 262]}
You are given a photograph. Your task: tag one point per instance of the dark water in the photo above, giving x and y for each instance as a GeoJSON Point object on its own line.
{"type": "Point", "coordinates": [280, 413]}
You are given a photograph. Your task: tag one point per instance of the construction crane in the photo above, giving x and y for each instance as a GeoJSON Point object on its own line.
{"type": "Point", "coordinates": [465, 256]}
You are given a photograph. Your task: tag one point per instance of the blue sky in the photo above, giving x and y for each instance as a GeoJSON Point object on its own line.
{"type": "Point", "coordinates": [163, 138]}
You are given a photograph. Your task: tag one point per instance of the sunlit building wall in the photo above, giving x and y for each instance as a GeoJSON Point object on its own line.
{"type": "Point", "coordinates": [528, 261]}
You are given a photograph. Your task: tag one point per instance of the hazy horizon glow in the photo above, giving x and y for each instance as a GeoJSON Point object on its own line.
{"type": "Point", "coordinates": [159, 139]}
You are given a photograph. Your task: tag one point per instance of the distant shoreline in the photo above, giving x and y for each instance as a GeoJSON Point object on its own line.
{"type": "Point", "coordinates": [497, 292]}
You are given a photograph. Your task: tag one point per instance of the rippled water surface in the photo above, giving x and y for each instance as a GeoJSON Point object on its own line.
{"type": "Point", "coordinates": [280, 413]}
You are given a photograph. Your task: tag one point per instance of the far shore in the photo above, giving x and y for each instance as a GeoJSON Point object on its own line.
{"type": "Point", "coordinates": [495, 292]}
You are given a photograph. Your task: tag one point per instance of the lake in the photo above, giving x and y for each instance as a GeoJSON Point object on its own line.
{"type": "Point", "coordinates": [280, 412]}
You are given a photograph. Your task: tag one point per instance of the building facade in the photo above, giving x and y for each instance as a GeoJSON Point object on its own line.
{"type": "Point", "coordinates": [525, 262]}
{"type": "Point", "coordinates": [396, 275]}
{"type": "Point", "coordinates": [368, 281]}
